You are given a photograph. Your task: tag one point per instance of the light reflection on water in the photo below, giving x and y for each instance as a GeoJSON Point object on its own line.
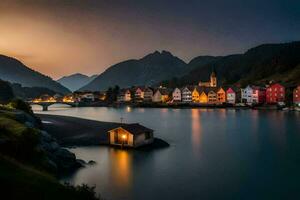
{"type": "Point", "coordinates": [214, 154]}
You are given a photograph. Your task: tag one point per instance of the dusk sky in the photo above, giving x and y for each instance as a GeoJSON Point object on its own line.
{"type": "Point", "coordinates": [61, 37]}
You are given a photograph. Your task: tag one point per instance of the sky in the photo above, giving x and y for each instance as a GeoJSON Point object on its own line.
{"type": "Point", "coordinates": [62, 37]}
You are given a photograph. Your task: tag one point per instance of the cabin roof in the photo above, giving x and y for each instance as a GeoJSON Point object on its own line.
{"type": "Point", "coordinates": [134, 129]}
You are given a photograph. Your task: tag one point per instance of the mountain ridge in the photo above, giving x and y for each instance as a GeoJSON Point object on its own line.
{"type": "Point", "coordinates": [267, 62]}
{"type": "Point", "coordinates": [75, 81]}
{"type": "Point", "coordinates": [15, 71]}
{"type": "Point", "coordinates": [147, 70]}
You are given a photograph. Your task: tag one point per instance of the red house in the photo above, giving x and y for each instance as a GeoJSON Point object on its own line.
{"type": "Point", "coordinates": [259, 94]}
{"type": "Point", "coordinates": [275, 93]}
{"type": "Point", "coordinates": [296, 95]}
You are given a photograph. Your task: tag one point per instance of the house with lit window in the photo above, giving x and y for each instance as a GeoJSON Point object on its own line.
{"type": "Point", "coordinates": [200, 94]}
{"type": "Point", "coordinates": [186, 94]}
{"type": "Point", "coordinates": [124, 96]}
{"type": "Point", "coordinates": [230, 96]}
{"type": "Point", "coordinates": [161, 95]}
{"type": "Point", "coordinates": [203, 98]}
{"type": "Point", "coordinates": [221, 96]}
{"type": "Point", "coordinates": [195, 95]}
{"type": "Point", "coordinates": [139, 94]}
{"type": "Point", "coordinates": [258, 95]}
{"type": "Point", "coordinates": [148, 94]}
{"type": "Point", "coordinates": [212, 96]}
{"type": "Point", "coordinates": [275, 93]}
{"type": "Point", "coordinates": [246, 95]}
{"type": "Point", "coordinates": [176, 95]}
{"type": "Point", "coordinates": [296, 96]}
{"type": "Point", "coordinates": [130, 135]}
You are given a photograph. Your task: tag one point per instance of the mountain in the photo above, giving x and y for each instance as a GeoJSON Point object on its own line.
{"type": "Point", "coordinates": [26, 93]}
{"type": "Point", "coordinates": [14, 71]}
{"type": "Point", "coordinates": [148, 70]}
{"type": "Point", "coordinates": [75, 81]}
{"type": "Point", "coordinates": [277, 62]}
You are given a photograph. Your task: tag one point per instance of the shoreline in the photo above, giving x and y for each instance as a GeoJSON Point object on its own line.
{"type": "Point", "coordinates": [75, 132]}
{"type": "Point", "coordinates": [191, 106]}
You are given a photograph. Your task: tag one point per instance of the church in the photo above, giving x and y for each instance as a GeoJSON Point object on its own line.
{"type": "Point", "coordinates": [212, 82]}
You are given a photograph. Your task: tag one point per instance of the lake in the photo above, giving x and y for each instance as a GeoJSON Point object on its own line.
{"type": "Point", "coordinates": [214, 154]}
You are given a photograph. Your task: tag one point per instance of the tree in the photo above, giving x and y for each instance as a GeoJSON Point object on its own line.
{"type": "Point", "coordinates": [6, 92]}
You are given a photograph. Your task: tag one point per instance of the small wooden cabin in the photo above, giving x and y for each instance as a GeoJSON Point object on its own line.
{"type": "Point", "coordinates": [130, 135]}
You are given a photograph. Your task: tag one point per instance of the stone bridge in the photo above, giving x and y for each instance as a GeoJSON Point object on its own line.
{"type": "Point", "coordinates": [45, 105]}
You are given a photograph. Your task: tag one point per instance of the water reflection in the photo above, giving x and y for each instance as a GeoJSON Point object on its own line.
{"type": "Point", "coordinates": [196, 129]}
{"type": "Point", "coordinates": [53, 107]}
{"type": "Point", "coordinates": [120, 168]}
{"type": "Point", "coordinates": [240, 151]}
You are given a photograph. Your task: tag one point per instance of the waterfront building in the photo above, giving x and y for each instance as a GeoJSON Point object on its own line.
{"type": "Point", "coordinates": [212, 96]}
{"type": "Point", "coordinates": [296, 95]}
{"type": "Point", "coordinates": [124, 96]}
{"type": "Point", "coordinates": [230, 96]}
{"type": "Point", "coordinates": [246, 95]}
{"type": "Point", "coordinates": [139, 94]}
{"type": "Point", "coordinates": [258, 95]}
{"type": "Point", "coordinates": [131, 135]}
{"type": "Point", "coordinates": [195, 95]}
{"type": "Point", "coordinates": [221, 95]}
{"type": "Point", "coordinates": [161, 95]}
{"type": "Point", "coordinates": [148, 94]}
{"type": "Point", "coordinates": [176, 95]}
{"type": "Point", "coordinates": [275, 93]}
{"type": "Point", "coordinates": [186, 94]}
{"type": "Point", "coordinates": [203, 98]}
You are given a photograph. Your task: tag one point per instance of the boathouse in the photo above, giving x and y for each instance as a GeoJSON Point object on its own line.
{"type": "Point", "coordinates": [130, 135]}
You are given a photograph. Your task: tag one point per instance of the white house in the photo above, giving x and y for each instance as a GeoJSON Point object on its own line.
{"type": "Point", "coordinates": [247, 95]}
{"type": "Point", "coordinates": [186, 95]}
{"type": "Point", "coordinates": [176, 95]}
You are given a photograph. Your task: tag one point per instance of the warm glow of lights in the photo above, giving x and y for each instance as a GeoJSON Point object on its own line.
{"type": "Point", "coordinates": [68, 99]}
{"type": "Point", "coordinates": [196, 129]}
{"type": "Point", "coordinates": [124, 137]}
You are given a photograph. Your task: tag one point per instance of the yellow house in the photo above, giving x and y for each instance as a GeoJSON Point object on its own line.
{"type": "Point", "coordinates": [195, 95]}
{"type": "Point", "coordinates": [221, 96]}
{"type": "Point", "coordinates": [130, 135]}
{"type": "Point", "coordinates": [203, 97]}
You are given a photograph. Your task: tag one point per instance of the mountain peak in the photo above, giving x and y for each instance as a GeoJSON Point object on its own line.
{"type": "Point", "coordinates": [159, 55]}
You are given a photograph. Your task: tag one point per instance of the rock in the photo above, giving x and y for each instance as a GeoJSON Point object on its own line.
{"type": "Point", "coordinates": [92, 162]}
{"type": "Point", "coordinates": [82, 162]}
{"type": "Point", "coordinates": [157, 144]}
{"type": "Point", "coordinates": [29, 124]}
{"type": "Point", "coordinates": [66, 161]}
{"type": "Point", "coordinates": [46, 137]}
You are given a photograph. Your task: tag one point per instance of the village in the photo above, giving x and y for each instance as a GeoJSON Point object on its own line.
{"type": "Point", "coordinates": [205, 94]}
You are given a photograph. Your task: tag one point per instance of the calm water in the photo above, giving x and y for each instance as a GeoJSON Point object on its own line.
{"type": "Point", "coordinates": [214, 154]}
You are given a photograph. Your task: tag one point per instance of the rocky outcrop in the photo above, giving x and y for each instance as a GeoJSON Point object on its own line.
{"type": "Point", "coordinates": [59, 159]}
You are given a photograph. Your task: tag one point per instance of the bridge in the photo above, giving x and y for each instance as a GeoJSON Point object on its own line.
{"type": "Point", "coordinates": [46, 104]}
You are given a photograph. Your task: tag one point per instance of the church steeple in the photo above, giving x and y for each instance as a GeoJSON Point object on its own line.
{"type": "Point", "coordinates": [213, 79]}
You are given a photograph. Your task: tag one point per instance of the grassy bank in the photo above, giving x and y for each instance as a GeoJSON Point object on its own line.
{"type": "Point", "coordinates": [30, 159]}
{"type": "Point", "coordinates": [19, 181]}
